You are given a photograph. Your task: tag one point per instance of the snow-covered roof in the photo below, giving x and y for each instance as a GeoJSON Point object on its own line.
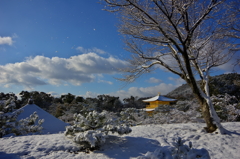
{"type": "Point", "coordinates": [50, 125]}
{"type": "Point", "coordinates": [159, 98]}
{"type": "Point", "coordinates": [148, 110]}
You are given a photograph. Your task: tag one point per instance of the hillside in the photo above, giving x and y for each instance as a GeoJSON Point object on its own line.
{"type": "Point", "coordinates": [221, 84]}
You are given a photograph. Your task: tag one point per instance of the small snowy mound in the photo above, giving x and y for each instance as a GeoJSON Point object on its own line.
{"type": "Point", "coordinates": [50, 125]}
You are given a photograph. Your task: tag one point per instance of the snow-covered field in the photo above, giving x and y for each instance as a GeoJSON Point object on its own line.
{"type": "Point", "coordinates": [139, 142]}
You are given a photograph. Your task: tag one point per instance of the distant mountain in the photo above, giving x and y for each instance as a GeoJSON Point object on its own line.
{"type": "Point", "coordinates": [221, 84]}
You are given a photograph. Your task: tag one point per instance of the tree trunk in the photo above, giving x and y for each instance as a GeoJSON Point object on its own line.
{"type": "Point", "coordinates": [211, 127]}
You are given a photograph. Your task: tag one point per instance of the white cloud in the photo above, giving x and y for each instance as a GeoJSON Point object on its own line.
{"type": "Point", "coordinates": [81, 49]}
{"type": "Point", "coordinates": [6, 40]}
{"type": "Point", "coordinates": [90, 94]}
{"type": "Point", "coordinates": [162, 88]}
{"type": "Point", "coordinates": [230, 66]}
{"type": "Point", "coordinates": [103, 81]}
{"type": "Point", "coordinates": [154, 80]}
{"type": "Point", "coordinates": [178, 81]}
{"type": "Point", "coordinates": [75, 70]}
{"type": "Point", "coordinates": [95, 50]}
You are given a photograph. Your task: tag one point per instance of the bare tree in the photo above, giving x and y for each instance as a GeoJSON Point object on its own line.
{"type": "Point", "coordinates": [181, 36]}
{"type": "Point", "coordinates": [232, 25]}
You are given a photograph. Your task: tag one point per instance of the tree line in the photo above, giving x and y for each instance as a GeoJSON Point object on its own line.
{"type": "Point", "coordinates": [50, 103]}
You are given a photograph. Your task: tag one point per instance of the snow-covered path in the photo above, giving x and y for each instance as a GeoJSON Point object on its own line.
{"type": "Point", "coordinates": [142, 139]}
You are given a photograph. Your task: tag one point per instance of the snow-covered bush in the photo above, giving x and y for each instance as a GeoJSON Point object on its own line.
{"type": "Point", "coordinates": [87, 107]}
{"type": "Point", "coordinates": [163, 109]}
{"type": "Point", "coordinates": [8, 105]}
{"type": "Point", "coordinates": [178, 151]}
{"type": "Point", "coordinates": [132, 116]}
{"type": "Point", "coordinates": [181, 112]}
{"type": "Point", "coordinates": [91, 130]}
{"type": "Point", "coordinates": [227, 107]}
{"type": "Point", "coordinates": [31, 124]}
{"type": "Point", "coordinates": [8, 122]}
{"type": "Point", "coordinates": [10, 125]}
{"type": "Point", "coordinates": [7, 119]}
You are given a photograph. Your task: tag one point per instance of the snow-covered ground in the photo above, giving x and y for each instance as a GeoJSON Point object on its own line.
{"type": "Point", "coordinates": [145, 138]}
{"type": "Point", "coordinates": [139, 142]}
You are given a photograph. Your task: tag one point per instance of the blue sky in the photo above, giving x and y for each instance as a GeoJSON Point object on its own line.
{"type": "Point", "coordinates": [68, 46]}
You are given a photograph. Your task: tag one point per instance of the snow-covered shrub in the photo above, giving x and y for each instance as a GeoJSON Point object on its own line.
{"type": "Point", "coordinates": [178, 151]}
{"type": "Point", "coordinates": [8, 105]}
{"type": "Point", "coordinates": [163, 109]}
{"type": "Point", "coordinates": [226, 107]}
{"type": "Point", "coordinates": [132, 116]}
{"type": "Point", "coordinates": [8, 122]}
{"type": "Point", "coordinates": [181, 112]}
{"type": "Point", "coordinates": [91, 130]}
{"type": "Point", "coordinates": [87, 107]}
{"type": "Point", "coordinates": [7, 119]}
{"type": "Point", "coordinates": [31, 124]}
{"type": "Point", "coordinates": [10, 125]}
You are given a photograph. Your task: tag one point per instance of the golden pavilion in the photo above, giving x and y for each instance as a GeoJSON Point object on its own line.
{"type": "Point", "coordinates": [154, 102]}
